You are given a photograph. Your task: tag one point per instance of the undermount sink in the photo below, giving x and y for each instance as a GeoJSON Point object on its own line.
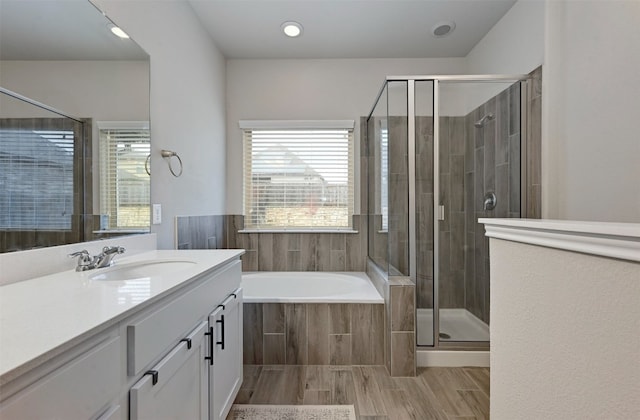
{"type": "Point", "coordinates": [141, 269]}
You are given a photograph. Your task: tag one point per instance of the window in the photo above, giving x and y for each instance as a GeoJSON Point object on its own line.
{"type": "Point", "coordinates": [298, 175]}
{"type": "Point", "coordinates": [124, 181]}
{"type": "Point", "coordinates": [36, 176]}
{"type": "Point", "coordinates": [384, 175]}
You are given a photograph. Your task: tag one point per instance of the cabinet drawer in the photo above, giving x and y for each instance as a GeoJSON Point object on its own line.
{"type": "Point", "coordinates": [78, 390]}
{"type": "Point", "coordinates": [154, 334]}
{"type": "Point", "coordinates": [176, 387]}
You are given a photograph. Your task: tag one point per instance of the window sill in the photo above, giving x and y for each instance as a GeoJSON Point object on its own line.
{"type": "Point", "coordinates": [297, 231]}
{"type": "Point", "coordinates": [121, 231]}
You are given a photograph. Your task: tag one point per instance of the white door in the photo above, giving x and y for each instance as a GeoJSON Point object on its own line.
{"type": "Point", "coordinates": [175, 388]}
{"type": "Point", "coordinates": [225, 375]}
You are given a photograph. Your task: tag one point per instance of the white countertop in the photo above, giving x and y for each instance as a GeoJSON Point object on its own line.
{"type": "Point", "coordinates": [44, 316]}
{"type": "Point", "coordinates": [607, 239]}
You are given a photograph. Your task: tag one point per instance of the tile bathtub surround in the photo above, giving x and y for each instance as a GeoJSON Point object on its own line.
{"type": "Point", "coordinates": [399, 295]}
{"type": "Point", "coordinates": [299, 251]}
{"type": "Point", "coordinates": [313, 334]}
{"type": "Point", "coordinates": [401, 331]}
{"type": "Point", "coordinates": [200, 232]}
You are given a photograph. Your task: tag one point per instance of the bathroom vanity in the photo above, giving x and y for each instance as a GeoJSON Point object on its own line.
{"type": "Point", "coordinates": [158, 335]}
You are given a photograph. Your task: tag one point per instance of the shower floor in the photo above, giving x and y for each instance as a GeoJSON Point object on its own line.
{"type": "Point", "coordinates": [459, 324]}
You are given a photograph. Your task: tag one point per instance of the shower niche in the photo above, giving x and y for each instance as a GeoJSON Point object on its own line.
{"type": "Point", "coordinates": [442, 152]}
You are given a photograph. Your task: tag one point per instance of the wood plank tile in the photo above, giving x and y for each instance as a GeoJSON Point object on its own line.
{"type": "Point", "coordinates": [318, 378]}
{"type": "Point", "coordinates": [422, 399]}
{"type": "Point", "coordinates": [283, 385]}
{"type": "Point", "coordinates": [296, 334]}
{"type": "Point", "coordinates": [480, 376]}
{"type": "Point", "coordinates": [318, 334]}
{"type": "Point", "coordinates": [377, 334]}
{"type": "Point", "coordinates": [342, 390]}
{"type": "Point", "coordinates": [437, 393]}
{"type": "Point", "coordinates": [317, 397]}
{"type": "Point", "coordinates": [398, 406]}
{"type": "Point", "coordinates": [403, 353]}
{"type": "Point", "coordinates": [274, 349]}
{"type": "Point", "coordinates": [372, 417]}
{"type": "Point", "coordinates": [250, 376]}
{"type": "Point", "coordinates": [383, 379]}
{"type": "Point", "coordinates": [368, 394]}
{"type": "Point", "coordinates": [339, 318]}
{"type": "Point", "coordinates": [252, 334]}
{"type": "Point", "coordinates": [478, 402]}
{"type": "Point", "coordinates": [445, 388]}
{"type": "Point", "coordinates": [244, 396]}
{"type": "Point", "coordinates": [273, 318]}
{"type": "Point", "coordinates": [340, 349]}
{"type": "Point", "coordinates": [361, 345]}
{"type": "Point", "coordinates": [268, 388]}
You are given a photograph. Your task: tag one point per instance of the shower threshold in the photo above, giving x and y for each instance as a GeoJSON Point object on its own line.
{"type": "Point", "coordinates": [457, 323]}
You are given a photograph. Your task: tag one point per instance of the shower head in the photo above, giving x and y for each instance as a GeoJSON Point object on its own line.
{"type": "Point", "coordinates": [480, 123]}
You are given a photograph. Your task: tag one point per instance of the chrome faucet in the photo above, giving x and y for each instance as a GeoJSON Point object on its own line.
{"type": "Point", "coordinates": [103, 259]}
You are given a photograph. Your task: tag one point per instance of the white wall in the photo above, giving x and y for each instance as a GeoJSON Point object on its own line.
{"type": "Point", "coordinates": [311, 90]}
{"type": "Point", "coordinates": [565, 340]}
{"type": "Point", "coordinates": [591, 92]}
{"type": "Point", "coordinates": [102, 90]}
{"type": "Point", "coordinates": [187, 107]}
{"type": "Point", "coordinates": [515, 45]}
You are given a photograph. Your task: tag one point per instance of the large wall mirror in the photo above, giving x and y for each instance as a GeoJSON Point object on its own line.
{"type": "Point", "coordinates": [74, 126]}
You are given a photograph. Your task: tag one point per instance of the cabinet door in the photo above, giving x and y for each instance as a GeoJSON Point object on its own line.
{"type": "Point", "coordinates": [175, 388]}
{"type": "Point", "coordinates": [78, 390]}
{"type": "Point", "coordinates": [225, 375]}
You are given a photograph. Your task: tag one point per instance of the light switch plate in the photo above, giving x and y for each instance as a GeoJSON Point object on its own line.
{"type": "Point", "coordinates": [157, 214]}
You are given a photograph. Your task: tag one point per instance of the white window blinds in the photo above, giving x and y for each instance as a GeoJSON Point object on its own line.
{"type": "Point", "coordinates": [124, 182]}
{"type": "Point", "coordinates": [298, 178]}
{"type": "Point", "coordinates": [36, 179]}
{"type": "Point", "coordinates": [384, 175]}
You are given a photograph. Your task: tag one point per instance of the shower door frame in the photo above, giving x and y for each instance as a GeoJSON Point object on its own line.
{"type": "Point", "coordinates": [524, 81]}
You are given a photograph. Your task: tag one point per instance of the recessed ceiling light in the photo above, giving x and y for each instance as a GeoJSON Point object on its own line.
{"type": "Point", "coordinates": [291, 29]}
{"type": "Point", "coordinates": [441, 29]}
{"type": "Point", "coordinates": [117, 31]}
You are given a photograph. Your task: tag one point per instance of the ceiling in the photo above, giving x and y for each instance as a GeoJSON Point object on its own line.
{"type": "Point", "coordinates": [60, 30]}
{"type": "Point", "coordinates": [347, 28]}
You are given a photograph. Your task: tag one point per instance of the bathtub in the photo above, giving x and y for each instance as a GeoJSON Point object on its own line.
{"type": "Point", "coordinates": [309, 287]}
{"type": "Point", "coordinates": [312, 318]}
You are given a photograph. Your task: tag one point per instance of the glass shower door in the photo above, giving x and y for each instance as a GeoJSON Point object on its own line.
{"type": "Point", "coordinates": [479, 176]}
{"type": "Point", "coordinates": [424, 275]}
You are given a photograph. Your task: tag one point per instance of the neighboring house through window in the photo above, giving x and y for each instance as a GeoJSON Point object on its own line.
{"type": "Point", "coordinates": [124, 181]}
{"type": "Point", "coordinates": [36, 177]}
{"type": "Point", "coordinates": [298, 175]}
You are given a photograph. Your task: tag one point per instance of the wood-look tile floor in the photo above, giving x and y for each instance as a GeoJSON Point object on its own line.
{"type": "Point", "coordinates": [436, 393]}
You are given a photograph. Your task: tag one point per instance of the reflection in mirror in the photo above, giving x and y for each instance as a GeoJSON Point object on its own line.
{"type": "Point", "coordinates": [103, 81]}
{"type": "Point", "coordinates": [40, 177]}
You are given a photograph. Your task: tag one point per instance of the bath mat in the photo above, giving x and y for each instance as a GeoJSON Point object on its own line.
{"type": "Point", "coordinates": [291, 412]}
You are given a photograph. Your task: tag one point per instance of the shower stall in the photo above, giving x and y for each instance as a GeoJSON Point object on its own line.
{"type": "Point", "coordinates": [441, 152]}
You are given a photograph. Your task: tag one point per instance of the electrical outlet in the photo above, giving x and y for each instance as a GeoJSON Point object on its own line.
{"type": "Point", "coordinates": [157, 214]}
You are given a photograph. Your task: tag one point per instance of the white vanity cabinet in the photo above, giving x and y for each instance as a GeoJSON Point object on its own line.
{"type": "Point", "coordinates": [225, 364]}
{"type": "Point", "coordinates": [175, 388]}
{"type": "Point", "coordinates": [178, 356]}
{"type": "Point", "coordinates": [81, 388]}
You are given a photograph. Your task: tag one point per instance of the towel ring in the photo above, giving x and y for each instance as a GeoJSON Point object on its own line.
{"type": "Point", "coordinates": [168, 154]}
{"type": "Point", "coordinates": [146, 164]}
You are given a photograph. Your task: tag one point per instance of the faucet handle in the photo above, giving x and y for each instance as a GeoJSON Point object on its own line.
{"type": "Point", "coordinates": [84, 259]}
{"type": "Point", "coordinates": [81, 254]}
{"type": "Point", "coordinates": [113, 250]}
